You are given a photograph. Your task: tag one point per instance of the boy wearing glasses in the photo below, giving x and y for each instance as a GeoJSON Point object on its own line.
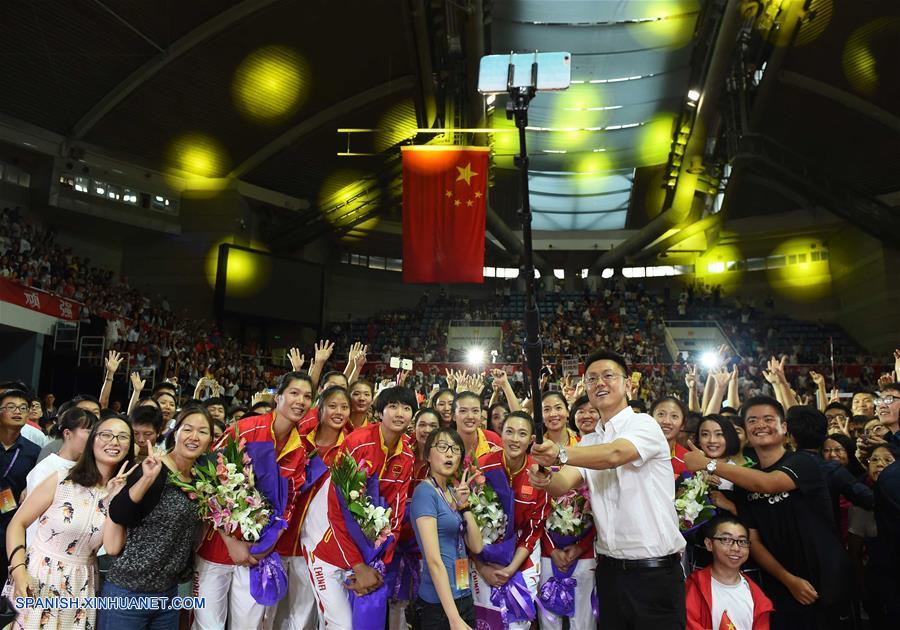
{"type": "Point", "coordinates": [17, 457]}
{"type": "Point", "coordinates": [720, 596]}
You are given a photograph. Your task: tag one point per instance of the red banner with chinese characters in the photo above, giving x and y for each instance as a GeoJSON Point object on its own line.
{"type": "Point", "coordinates": [38, 300]}
{"type": "Point", "coordinates": [444, 202]}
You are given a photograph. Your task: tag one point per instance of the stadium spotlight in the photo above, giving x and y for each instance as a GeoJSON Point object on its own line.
{"type": "Point", "coordinates": [475, 356]}
{"type": "Point", "coordinates": [709, 360]}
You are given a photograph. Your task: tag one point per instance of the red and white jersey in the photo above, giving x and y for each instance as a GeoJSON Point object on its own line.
{"type": "Point", "coordinates": [532, 505]}
{"type": "Point", "coordinates": [289, 543]}
{"type": "Point", "coordinates": [366, 446]}
{"type": "Point", "coordinates": [291, 464]}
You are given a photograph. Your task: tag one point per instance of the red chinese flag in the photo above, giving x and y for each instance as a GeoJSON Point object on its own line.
{"type": "Point", "coordinates": [726, 623]}
{"type": "Point", "coordinates": [444, 197]}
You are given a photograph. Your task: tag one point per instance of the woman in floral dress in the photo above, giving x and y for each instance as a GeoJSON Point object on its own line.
{"type": "Point", "coordinates": [70, 513]}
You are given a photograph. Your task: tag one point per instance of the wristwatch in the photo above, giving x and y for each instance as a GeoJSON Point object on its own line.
{"type": "Point", "coordinates": [711, 466]}
{"type": "Point", "coordinates": [563, 457]}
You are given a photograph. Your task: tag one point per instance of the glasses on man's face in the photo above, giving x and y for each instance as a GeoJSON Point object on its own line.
{"type": "Point", "coordinates": [13, 408]}
{"type": "Point", "coordinates": [108, 436]}
{"type": "Point", "coordinates": [443, 447]}
{"type": "Point", "coordinates": [836, 416]}
{"type": "Point", "coordinates": [878, 461]}
{"type": "Point", "coordinates": [886, 400]}
{"type": "Point", "coordinates": [607, 377]}
{"type": "Point", "coordinates": [729, 542]}
{"type": "Point", "coordinates": [838, 450]}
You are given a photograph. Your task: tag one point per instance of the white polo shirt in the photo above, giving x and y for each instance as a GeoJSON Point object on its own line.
{"type": "Point", "coordinates": [634, 504]}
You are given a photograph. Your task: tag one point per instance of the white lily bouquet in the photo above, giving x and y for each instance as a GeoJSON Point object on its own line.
{"type": "Point", "coordinates": [485, 504]}
{"type": "Point", "coordinates": [692, 503]}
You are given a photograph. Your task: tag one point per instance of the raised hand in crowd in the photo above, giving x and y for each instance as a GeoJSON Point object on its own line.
{"type": "Point", "coordinates": [297, 360]}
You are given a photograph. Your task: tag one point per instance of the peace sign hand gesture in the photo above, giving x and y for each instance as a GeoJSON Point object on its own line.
{"type": "Point", "coordinates": [115, 485]}
{"type": "Point", "coordinates": [462, 491]}
{"type": "Point", "coordinates": [152, 464]}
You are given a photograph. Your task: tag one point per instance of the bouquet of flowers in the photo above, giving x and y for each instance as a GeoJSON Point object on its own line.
{"type": "Point", "coordinates": [569, 522]}
{"type": "Point", "coordinates": [225, 489]}
{"type": "Point", "coordinates": [241, 492]}
{"type": "Point", "coordinates": [692, 503]}
{"type": "Point", "coordinates": [374, 520]}
{"type": "Point", "coordinates": [570, 514]}
{"type": "Point", "coordinates": [368, 520]}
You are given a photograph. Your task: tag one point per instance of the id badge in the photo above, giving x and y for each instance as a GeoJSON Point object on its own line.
{"type": "Point", "coordinates": [462, 574]}
{"type": "Point", "coordinates": [7, 501]}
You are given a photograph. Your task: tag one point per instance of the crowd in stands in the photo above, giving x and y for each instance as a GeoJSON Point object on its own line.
{"type": "Point", "coordinates": [620, 314]}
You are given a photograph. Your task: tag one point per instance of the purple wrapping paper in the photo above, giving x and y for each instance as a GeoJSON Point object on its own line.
{"type": "Point", "coordinates": [404, 572]}
{"type": "Point", "coordinates": [315, 470]}
{"type": "Point", "coordinates": [513, 598]}
{"type": "Point", "coordinates": [557, 594]}
{"type": "Point", "coordinates": [369, 611]}
{"type": "Point", "coordinates": [268, 580]}
{"type": "Point", "coordinates": [595, 605]}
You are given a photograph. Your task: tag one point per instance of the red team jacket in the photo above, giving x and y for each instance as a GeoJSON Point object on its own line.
{"type": "Point", "coordinates": [367, 447]}
{"type": "Point", "coordinates": [291, 464]}
{"type": "Point", "coordinates": [698, 601]}
{"type": "Point", "coordinates": [289, 543]}
{"type": "Point", "coordinates": [532, 506]}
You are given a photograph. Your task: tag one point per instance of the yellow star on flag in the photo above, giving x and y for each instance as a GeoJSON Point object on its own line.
{"type": "Point", "coordinates": [477, 195]}
{"type": "Point", "coordinates": [470, 203]}
{"type": "Point", "coordinates": [449, 194]}
{"type": "Point", "coordinates": [466, 173]}
{"type": "Point", "coordinates": [457, 202]}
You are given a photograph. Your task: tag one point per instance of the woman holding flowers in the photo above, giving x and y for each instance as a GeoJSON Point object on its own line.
{"type": "Point", "coordinates": [508, 569]}
{"type": "Point", "coordinates": [568, 563]}
{"type": "Point", "coordinates": [224, 568]}
{"type": "Point", "coordinates": [348, 563]}
{"type": "Point", "coordinates": [322, 437]}
{"type": "Point", "coordinates": [69, 508]}
{"type": "Point", "coordinates": [444, 528]}
{"type": "Point", "coordinates": [155, 526]}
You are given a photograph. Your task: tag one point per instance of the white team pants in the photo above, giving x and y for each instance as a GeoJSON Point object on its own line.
{"type": "Point", "coordinates": [297, 611]}
{"type": "Point", "coordinates": [331, 595]}
{"type": "Point", "coordinates": [226, 588]}
{"type": "Point", "coordinates": [584, 577]}
{"type": "Point", "coordinates": [481, 590]}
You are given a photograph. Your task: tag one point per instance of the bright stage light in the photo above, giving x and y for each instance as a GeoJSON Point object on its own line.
{"type": "Point", "coordinates": [709, 360]}
{"type": "Point", "coordinates": [475, 356]}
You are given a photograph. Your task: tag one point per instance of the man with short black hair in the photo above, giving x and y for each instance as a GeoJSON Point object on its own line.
{"type": "Point", "coordinates": [216, 408]}
{"type": "Point", "coordinates": [626, 463]}
{"type": "Point", "coordinates": [17, 457]}
{"type": "Point", "coordinates": [785, 501]}
{"type": "Point", "coordinates": [887, 408]}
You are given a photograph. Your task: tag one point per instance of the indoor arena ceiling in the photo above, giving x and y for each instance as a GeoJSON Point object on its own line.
{"type": "Point", "coordinates": [257, 90]}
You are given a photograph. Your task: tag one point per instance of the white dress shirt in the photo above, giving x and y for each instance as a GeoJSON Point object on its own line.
{"type": "Point", "coordinates": [634, 504]}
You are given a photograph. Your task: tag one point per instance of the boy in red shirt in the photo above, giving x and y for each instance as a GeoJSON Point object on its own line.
{"type": "Point", "coordinates": [720, 596]}
{"type": "Point", "coordinates": [380, 450]}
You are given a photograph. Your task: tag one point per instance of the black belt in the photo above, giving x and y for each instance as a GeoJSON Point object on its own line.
{"type": "Point", "coordinates": [643, 563]}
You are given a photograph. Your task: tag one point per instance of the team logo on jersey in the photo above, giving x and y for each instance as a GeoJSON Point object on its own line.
{"type": "Point", "coordinates": [396, 469]}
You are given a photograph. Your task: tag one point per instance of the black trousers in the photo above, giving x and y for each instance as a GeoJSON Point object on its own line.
{"type": "Point", "coordinates": [640, 599]}
{"type": "Point", "coordinates": [432, 617]}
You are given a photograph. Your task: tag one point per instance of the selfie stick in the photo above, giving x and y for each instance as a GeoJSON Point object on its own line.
{"type": "Point", "coordinates": [517, 108]}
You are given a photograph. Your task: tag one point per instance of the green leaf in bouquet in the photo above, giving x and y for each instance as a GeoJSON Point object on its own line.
{"type": "Point", "coordinates": [357, 510]}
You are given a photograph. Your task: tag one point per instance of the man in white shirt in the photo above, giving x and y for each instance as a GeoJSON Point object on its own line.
{"type": "Point", "coordinates": [626, 464]}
